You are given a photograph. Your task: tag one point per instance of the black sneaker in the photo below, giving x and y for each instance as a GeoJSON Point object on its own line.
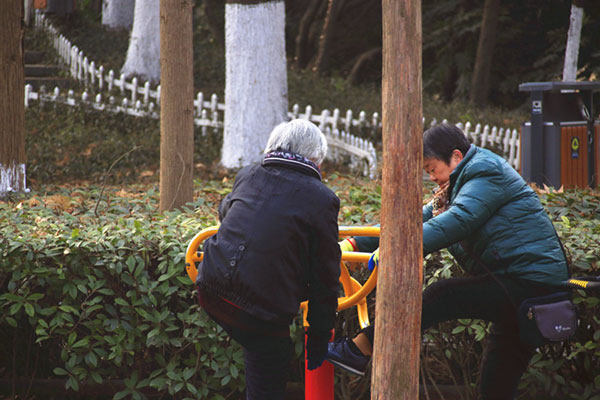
{"type": "Point", "coordinates": [339, 353]}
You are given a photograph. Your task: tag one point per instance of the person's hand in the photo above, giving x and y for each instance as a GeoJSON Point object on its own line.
{"type": "Point", "coordinates": [374, 260]}
{"type": "Point", "coordinates": [316, 348]}
{"type": "Point", "coordinates": [346, 245]}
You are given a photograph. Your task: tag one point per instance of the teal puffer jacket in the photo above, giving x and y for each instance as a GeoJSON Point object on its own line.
{"type": "Point", "coordinates": [496, 219]}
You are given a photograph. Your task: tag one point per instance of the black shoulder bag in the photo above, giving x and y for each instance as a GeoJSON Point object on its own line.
{"type": "Point", "coordinates": [545, 319]}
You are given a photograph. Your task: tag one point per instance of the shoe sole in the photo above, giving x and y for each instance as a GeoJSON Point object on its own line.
{"type": "Point", "coordinates": [346, 367]}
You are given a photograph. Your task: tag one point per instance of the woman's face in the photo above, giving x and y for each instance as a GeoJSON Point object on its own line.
{"type": "Point", "coordinates": [439, 172]}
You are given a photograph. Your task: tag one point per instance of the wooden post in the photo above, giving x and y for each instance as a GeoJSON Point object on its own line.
{"type": "Point", "coordinates": [177, 104]}
{"type": "Point", "coordinates": [398, 308]}
{"type": "Point", "coordinates": [12, 101]}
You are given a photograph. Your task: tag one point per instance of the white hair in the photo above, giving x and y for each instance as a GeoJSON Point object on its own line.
{"type": "Point", "coordinates": [299, 136]}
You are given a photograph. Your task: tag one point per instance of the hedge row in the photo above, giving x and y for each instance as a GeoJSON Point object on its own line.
{"type": "Point", "coordinates": [94, 291]}
{"type": "Point", "coordinates": [107, 297]}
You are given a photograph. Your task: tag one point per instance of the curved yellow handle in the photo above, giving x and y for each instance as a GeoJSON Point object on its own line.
{"type": "Point", "coordinates": [192, 255]}
{"type": "Point", "coordinates": [355, 293]}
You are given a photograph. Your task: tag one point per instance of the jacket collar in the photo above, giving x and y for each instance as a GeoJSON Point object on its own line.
{"type": "Point", "coordinates": [454, 174]}
{"type": "Point", "coordinates": [292, 160]}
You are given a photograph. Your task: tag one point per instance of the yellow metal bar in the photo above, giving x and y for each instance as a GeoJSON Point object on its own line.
{"type": "Point", "coordinates": [354, 256]}
{"type": "Point", "coordinates": [578, 282]}
{"type": "Point", "coordinates": [192, 256]}
{"type": "Point", "coordinates": [355, 293]}
{"type": "Point", "coordinates": [372, 231]}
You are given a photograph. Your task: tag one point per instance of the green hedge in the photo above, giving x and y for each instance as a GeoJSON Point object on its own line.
{"type": "Point", "coordinates": [108, 298]}
{"type": "Point", "coordinates": [95, 291]}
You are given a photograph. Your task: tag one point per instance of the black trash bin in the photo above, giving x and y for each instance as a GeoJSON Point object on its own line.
{"type": "Point", "coordinates": [60, 7]}
{"type": "Point", "coordinates": [560, 145]}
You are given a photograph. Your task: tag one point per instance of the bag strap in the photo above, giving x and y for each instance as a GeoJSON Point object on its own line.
{"type": "Point", "coordinates": [563, 251]}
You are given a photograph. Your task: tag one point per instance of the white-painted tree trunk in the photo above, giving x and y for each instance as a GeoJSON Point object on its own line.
{"type": "Point", "coordinates": [12, 98]}
{"type": "Point", "coordinates": [28, 12]}
{"type": "Point", "coordinates": [118, 14]}
{"type": "Point", "coordinates": [12, 178]}
{"type": "Point", "coordinates": [143, 54]}
{"type": "Point", "coordinates": [255, 79]}
{"type": "Point", "coordinates": [573, 39]}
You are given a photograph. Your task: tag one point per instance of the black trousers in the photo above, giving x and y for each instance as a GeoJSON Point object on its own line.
{"type": "Point", "coordinates": [493, 299]}
{"type": "Point", "coordinates": [267, 347]}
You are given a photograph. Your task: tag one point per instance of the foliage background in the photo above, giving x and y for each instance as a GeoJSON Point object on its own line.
{"type": "Point", "coordinates": [92, 285]}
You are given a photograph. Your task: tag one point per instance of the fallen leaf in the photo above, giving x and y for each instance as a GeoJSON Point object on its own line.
{"type": "Point", "coordinates": [64, 161]}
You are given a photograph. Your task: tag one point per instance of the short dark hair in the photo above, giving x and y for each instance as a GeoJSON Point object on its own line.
{"type": "Point", "coordinates": [440, 141]}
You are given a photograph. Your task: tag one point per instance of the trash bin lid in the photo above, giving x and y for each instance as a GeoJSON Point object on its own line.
{"type": "Point", "coordinates": [558, 86]}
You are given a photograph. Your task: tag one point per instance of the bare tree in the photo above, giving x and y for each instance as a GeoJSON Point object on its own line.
{"type": "Point", "coordinates": [12, 101]}
{"type": "Point", "coordinates": [255, 78]}
{"type": "Point", "coordinates": [480, 84]}
{"type": "Point", "coordinates": [573, 40]}
{"type": "Point", "coordinates": [322, 63]}
{"type": "Point", "coordinates": [303, 53]}
{"type": "Point", "coordinates": [117, 14]}
{"type": "Point", "coordinates": [362, 60]}
{"type": "Point", "coordinates": [398, 307]}
{"type": "Point", "coordinates": [143, 54]}
{"type": "Point", "coordinates": [176, 104]}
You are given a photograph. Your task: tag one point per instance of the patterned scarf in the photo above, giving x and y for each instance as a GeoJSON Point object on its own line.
{"type": "Point", "coordinates": [441, 199]}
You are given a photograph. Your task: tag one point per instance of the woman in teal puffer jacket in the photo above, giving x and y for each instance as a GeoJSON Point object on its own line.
{"type": "Point", "coordinates": [495, 226]}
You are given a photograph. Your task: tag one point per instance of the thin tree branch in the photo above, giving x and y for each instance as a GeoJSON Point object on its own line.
{"type": "Point", "coordinates": [106, 177]}
{"type": "Point", "coordinates": [180, 180]}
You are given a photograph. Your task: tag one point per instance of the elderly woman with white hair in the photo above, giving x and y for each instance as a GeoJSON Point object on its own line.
{"type": "Point", "coordinates": [276, 247]}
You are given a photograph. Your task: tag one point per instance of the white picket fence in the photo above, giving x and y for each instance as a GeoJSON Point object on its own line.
{"type": "Point", "coordinates": [106, 92]}
{"type": "Point", "coordinates": [361, 152]}
{"type": "Point", "coordinates": [97, 80]}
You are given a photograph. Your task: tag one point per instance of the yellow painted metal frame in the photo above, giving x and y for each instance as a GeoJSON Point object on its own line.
{"type": "Point", "coordinates": [355, 294]}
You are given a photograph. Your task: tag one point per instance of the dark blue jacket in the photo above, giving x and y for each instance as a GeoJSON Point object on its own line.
{"type": "Point", "coordinates": [277, 245]}
{"type": "Point", "coordinates": [494, 219]}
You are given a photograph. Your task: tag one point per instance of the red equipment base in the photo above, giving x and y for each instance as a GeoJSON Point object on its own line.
{"type": "Point", "coordinates": [318, 383]}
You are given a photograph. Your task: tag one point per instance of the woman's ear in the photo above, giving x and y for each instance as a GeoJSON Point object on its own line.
{"type": "Point", "coordinates": [457, 155]}
{"type": "Point", "coordinates": [456, 158]}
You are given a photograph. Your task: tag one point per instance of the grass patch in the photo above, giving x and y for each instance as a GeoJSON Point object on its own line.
{"type": "Point", "coordinates": [64, 144]}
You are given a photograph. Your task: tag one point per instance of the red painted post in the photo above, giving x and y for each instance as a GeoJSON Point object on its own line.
{"type": "Point", "coordinates": [318, 383]}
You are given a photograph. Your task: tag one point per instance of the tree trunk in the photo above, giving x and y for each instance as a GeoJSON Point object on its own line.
{"type": "Point", "coordinates": [28, 12]}
{"type": "Point", "coordinates": [255, 78]}
{"type": "Point", "coordinates": [322, 63]}
{"type": "Point", "coordinates": [12, 98]}
{"type": "Point", "coordinates": [176, 104]}
{"type": "Point", "coordinates": [215, 16]}
{"type": "Point", "coordinates": [480, 84]}
{"type": "Point", "coordinates": [117, 14]}
{"type": "Point", "coordinates": [398, 308]}
{"type": "Point", "coordinates": [143, 54]}
{"type": "Point", "coordinates": [573, 39]}
{"type": "Point", "coordinates": [361, 61]}
{"type": "Point", "coordinates": [303, 51]}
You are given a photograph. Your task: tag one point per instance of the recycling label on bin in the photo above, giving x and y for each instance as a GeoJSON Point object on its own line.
{"type": "Point", "coordinates": [536, 107]}
{"type": "Point", "coordinates": [575, 147]}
